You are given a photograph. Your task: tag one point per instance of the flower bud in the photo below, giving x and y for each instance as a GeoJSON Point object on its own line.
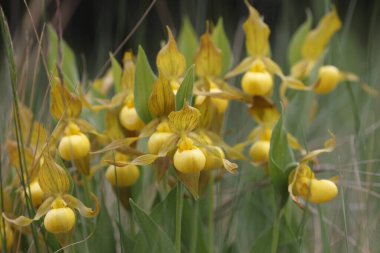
{"type": "Point", "coordinates": [329, 77]}
{"type": "Point", "coordinates": [214, 157]}
{"type": "Point", "coordinates": [74, 145]}
{"type": "Point", "coordinates": [126, 175]}
{"type": "Point", "coordinates": [59, 220]}
{"type": "Point", "coordinates": [158, 138]}
{"type": "Point", "coordinates": [318, 191]}
{"type": "Point", "coordinates": [188, 158]}
{"type": "Point", "coordinates": [129, 118]}
{"type": "Point", "coordinates": [259, 151]}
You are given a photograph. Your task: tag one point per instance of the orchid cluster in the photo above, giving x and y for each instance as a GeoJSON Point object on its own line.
{"type": "Point", "coordinates": [178, 114]}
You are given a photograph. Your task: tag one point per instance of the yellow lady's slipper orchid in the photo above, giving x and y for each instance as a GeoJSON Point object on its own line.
{"type": "Point", "coordinates": [214, 157]}
{"type": "Point", "coordinates": [36, 194]}
{"type": "Point", "coordinates": [188, 158]}
{"type": "Point", "coordinates": [58, 207]}
{"type": "Point", "coordinates": [311, 189]}
{"type": "Point", "coordinates": [74, 145]}
{"type": "Point", "coordinates": [257, 81]}
{"type": "Point", "coordinates": [302, 181]}
{"type": "Point", "coordinates": [220, 104]}
{"type": "Point", "coordinates": [259, 151]}
{"type": "Point", "coordinates": [122, 176]}
{"type": "Point", "coordinates": [158, 138]}
{"type": "Point", "coordinates": [129, 118]}
{"type": "Point", "coordinates": [60, 219]}
{"type": "Point", "coordinates": [328, 78]}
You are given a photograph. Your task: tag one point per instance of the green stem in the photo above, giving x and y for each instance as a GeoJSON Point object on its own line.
{"type": "Point", "coordinates": [194, 234]}
{"type": "Point", "coordinates": [211, 214]}
{"type": "Point", "coordinates": [178, 217]}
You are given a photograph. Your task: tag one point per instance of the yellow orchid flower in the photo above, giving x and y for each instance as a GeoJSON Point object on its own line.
{"type": "Point", "coordinates": [302, 181]}
{"type": "Point", "coordinates": [58, 207]}
{"type": "Point", "coordinates": [315, 44]}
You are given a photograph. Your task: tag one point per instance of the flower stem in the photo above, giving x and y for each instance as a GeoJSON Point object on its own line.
{"type": "Point", "coordinates": [194, 232]}
{"type": "Point", "coordinates": [211, 214]}
{"type": "Point", "coordinates": [178, 217]}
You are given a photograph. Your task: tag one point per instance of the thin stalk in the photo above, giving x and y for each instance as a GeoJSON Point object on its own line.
{"type": "Point", "coordinates": [178, 217]}
{"type": "Point", "coordinates": [12, 73]}
{"type": "Point", "coordinates": [276, 231]}
{"type": "Point", "coordinates": [4, 240]}
{"type": "Point", "coordinates": [211, 223]}
{"type": "Point", "coordinates": [117, 190]}
{"type": "Point", "coordinates": [194, 232]}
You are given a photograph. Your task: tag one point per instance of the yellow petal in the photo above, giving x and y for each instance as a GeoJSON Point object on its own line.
{"type": "Point", "coordinates": [272, 67]}
{"type": "Point", "coordinates": [52, 178]}
{"type": "Point", "coordinates": [229, 166]}
{"type": "Point", "coordinates": [82, 209]}
{"type": "Point", "coordinates": [295, 84]}
{"type": "Point", "coordinates": [302, 68]}
{"type": "Point", "coordinates": [208, 60]}
{"type": "Point", "coordinates": [257, 33]}
{"type": "Point", "coordinates": [317, 39]}
{"type": "Point", "coordinates": [294, 144]}
{"type": "Point", "coordinates": [242, 67]}
{"type": "Point", "coordinates": [354, 78]}
{"type": "Point", "coordinates": [140, 160]}
{"type": "Point", "coordinates": [170, 62]}
{"type": "Point", "coordinates": [23, 221]}
{"type": "Point", "coordinates": [63, 101]}
{"type": "Point", "coordinates": [184, 120]}
{"type": "Point", "coordinates": [117, 144]}
{"type": "Point", "coordinates": [128, 77]}
{"type": "Point", "coordinates": [20, 221]}
{"type": "Point", "coordinates": [264, 112]}
{"type": "Point", "coordinates": [191, 181]}
{"type": "Point", "coordinates": [329, 146]}
{"type": "Point", "coordinates": [162, 100]}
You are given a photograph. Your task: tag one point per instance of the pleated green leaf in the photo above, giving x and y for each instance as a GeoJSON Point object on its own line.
{"type": "Point", "coordinates": [188, 41]}
{"type": "Point", "coordinates": [185, 91]}
{"type": "Point", "coordinates": [220, 39]}
{"type": "Point", "coordinates": [294, 52]}
{"type": "Point", "coordinates": [280, 156]}
{"type": "Point", "coordinates": [116, 72]}
{"type": "Point", "coordinates": [68, 61]}
{"type": "Point", "coordinates": [154, 235]}
{"type": "Point", "coordinates": [144, 82]}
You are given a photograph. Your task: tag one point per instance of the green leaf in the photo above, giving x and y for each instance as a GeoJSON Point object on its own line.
{"type": "Point", "coordinates": [144, 82]}
{"type": "Point", "coordinates": [280, 156]}
{"type": "Point", "coordinates": [298, 38]}
{"type": "Point", "coordinates": [103, 239]}
{"type": "Point", "coordinates": [185, 91]}
{"type": "Point", "coordinates": [164, 213]}
{"type": "Point", "coordinates": [116, 72]}
{"type": "Point", "coordinates": [188, 41]}
{"type": "Point", "coordinates": [220, 39]}
{"type": "Point", "coordinates": [69, 66]}
{"type": "Point", "coordinates": [155, 237]}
